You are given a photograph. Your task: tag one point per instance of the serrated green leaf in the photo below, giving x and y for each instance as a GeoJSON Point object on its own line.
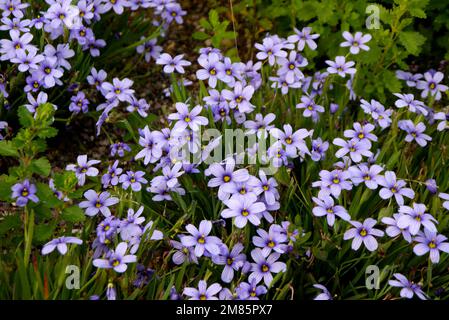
{"type": "Point", "coordinates": [10, 223]}
{"type": "Point", "coordinates": [73, 214]}
{"type": "Point", "coordinates": [43, 232]}
{"type": "Point", "coordinates": [25, 117]}
{"type": "Point", "coordinates": [8, 149]}
{"type": "Point", "coordinates": [41, 166]}
{"type": "Point", "coordinates": [390, 81]}
{"type": "Point", "coordinates": [412, 41]}
{"type": "Point", "coordinates": [213, 18]}
{"type": "Point", "coordinates": [200, 36]}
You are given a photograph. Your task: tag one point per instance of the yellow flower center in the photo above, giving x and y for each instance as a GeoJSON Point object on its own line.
{"type": "Point", "coordinates": [265, 268]}
{"type": "Point", "coordinates": [213, 72]}
{"type": "Point", "coordinates": [245, 213]}
{"type": "Point", "coordinates": [226, 178]}
{"type": "Point", "coordinates": [363, 232]}
{"type": "Point", "coordinates": [288, 140]}
{"type": "Point", "coordinates": [201, 240]}
{"type": "Point", "coordinates": [187, 119]}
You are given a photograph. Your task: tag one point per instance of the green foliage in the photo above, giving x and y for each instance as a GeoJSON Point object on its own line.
{"type": "Point", "coordinates": [215, 31]}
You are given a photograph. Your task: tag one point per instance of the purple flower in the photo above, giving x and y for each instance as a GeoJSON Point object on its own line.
{"type": "Point", "coordinates": [280, 82]}
{"type": "Point", "coordinates": [186, 118]}
{"type": "Point", "coordinates": [33, 104]}
{"type": "Point", "coordinates": [119, 148]}
{"type": "Point", "coordinates": [393, 229]}
{"type": "Point", "coordinates": [293, 141]}
{"type": "Point", "coordinates": [183, 253]}
{"type": "Point", "coordinates": [240, 97]}
{"type": "Point", "coordinates": [263, 266]}
{"type": "Point", "coordinates": [210, 64]}
{"type": "Point", "coordinates": [431, 185]}
{"type": "Point", "coordinates": [60, 244]}
{"type": "Point", "coordinates": [151, 151]}
{"type": "Point", "coordinates": [117, 259]}
{"type": "Point", "coordinates": [112, 176]}
{"type": "Point", "coordinates": [325, 295]}
{"type": "Point", "coordinates": [363, 232]}
{"type": "Point", "coordinates": [200, 239]}
{"type": "Point", "coordinates": [232, 260]}
{"type": "Point", "coordinates": [27, 60]}
{"type": "Point", "coordinates": [98, 203]}
{"type": "Point", "coordinates": [364, 174]}
{"type": "Point", "coordinates": [111, 293]}
{"type": "Point", "coordinates": [228, 71]}
{"type": "Point", "coordinates": [318, 150]}
{"type": "Point", "coordinates": [290, 67]}
{"type": "Point", "coordinates": [356, 148]}
{"type": "Point", "coordinates": [408, 100]}
{"type": "Point", "coordinates": [83, 168]}
{"type": "Point", "coordinates": [444, 124]}
{"type": "Point", "coordinates": [250, 291]}
{"type": "Point", "coordinates": [270, 50]}
{"type": "Point", "coordinates": [431, 242]}
{"type": "Point", "coordinates": [140, 105]}
{"type": "Point", "coordinates": [267, 188]}
{"type": "Point", "coordinates": [311, 109]}
{"type": "Point", "coordinates": [340, 66]}
{"type": "Point", "coordinates": [271, 240]}
{"type": "Point", "coordinates": [96, 78]}
{"type": "Point", "coordinates": [107, 229]}
{"type": "Point", "coordinates": [173, 11]}
{"type": "Point", "coordinates": [24, 191]}
{"type": "Point", "coordinates": [393, 187]}
{"type": "Point", "coordinates": [9, 48]}
{"type": "Point", "coordinates": [203, 292]}
{"type": "Point", "coordinates": [13, 7]}
{"type": "Point", "coordinates": [118, 89]}
{"type": "Point", "coordinates": [411, 79]}
{"type": "Point", "coordinates": [79, 103]}
{"type": "Point", "coordinates": [414, 132]}
{"type": "Point", "coordinates": [117, 5]}
{"type": "Point", "coordinates": [261, 125]}
{"type": "Point", "coordinates": [413, 218]}
{"type": "Point", "coordinates": [356, 42]}
{"type": "Point", "coordinates": [226, 177]}
{"type": "Point", "coordinates": [304, 37]}
{"type": "Point", "coordinates": [361, 132]}
{"type": "Point", "coordinates": [133, 179]}
{"type": "Point", "coordinates": [431, 85]}
{"type": "Point", "coordinates": [335, 181]}
{"type": "Point", "coordinates": [49, 72]}
{"type": "Point", "coordinates": [408, 287]}
{"type": "Point", "coordinates": [326, 207]}
{"type": "Point", "coordinates": [16, 24]}
{"type": "Point", "coordinates": [150, 49]}
{"type": "Point", "coordinates": [243, 209]}
{"type": "Point", "coordinates": [444, 196]}
{"type": "Point", "coordinates": [61, 53]}
{"type": "Point", "coordinates": [171, 64]}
